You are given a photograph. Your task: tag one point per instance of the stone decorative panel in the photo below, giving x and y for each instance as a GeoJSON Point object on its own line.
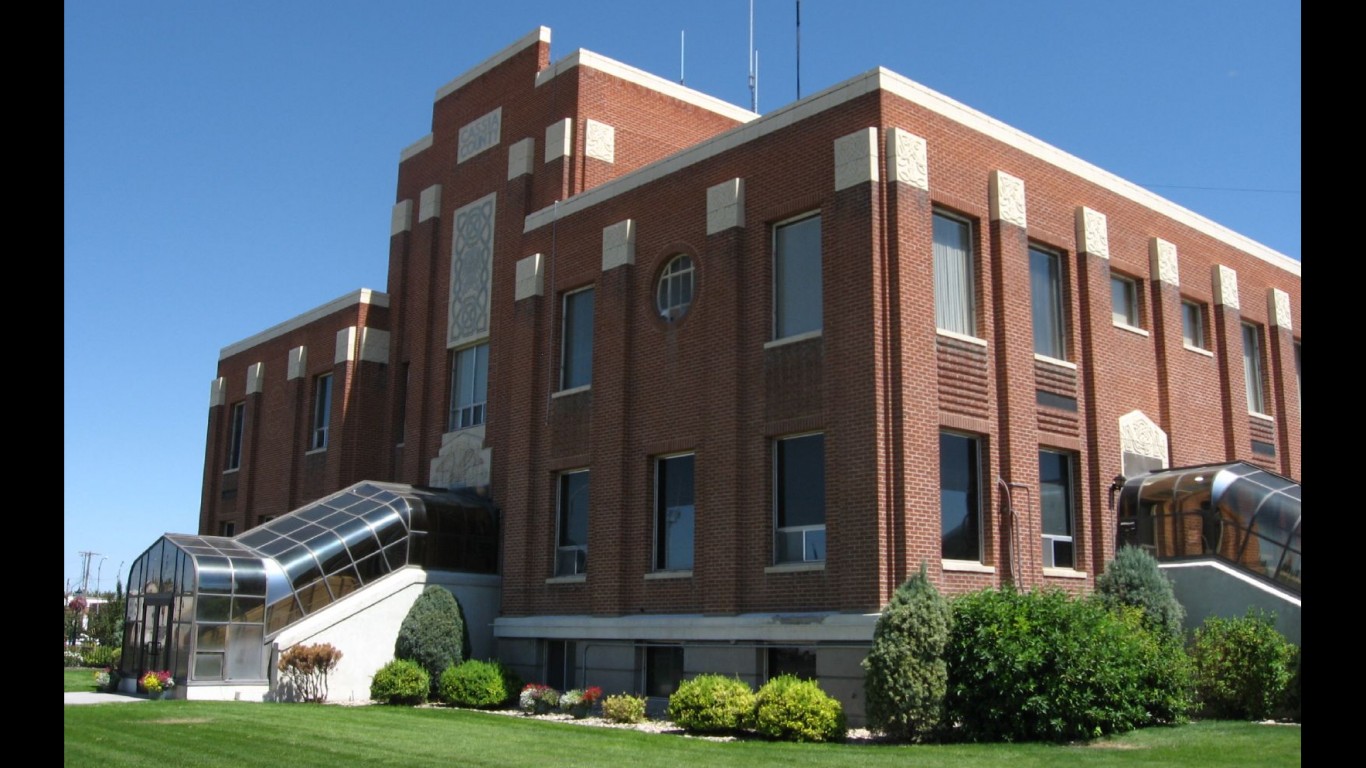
{"type": "Point", "coordinates": [401, 220]}
{"type": "Point", "coordinates": [619, 244]}
{"type": "Point", "coordinates": [1093, 237]}
{"type": "Point", "coordinates": [463, 461]}
{"type": "Point", "coordinates": [256, 378]}
{"type": "Point", "coordinates": [530, 277]}
{"type": "Point", "coordinates": [559, 138]}
{"type": "Point", "coordinates": [1162, 261]}
{"type": "Point", "coordinates": [1226, 286]}
{"type": "Point", "coordinates": [346, 346]}
{"type": "Point", "coordinates": [1278, 308]}
{"type": "Point", "coordinates": [1007, 199]}
{"type": "Point", "coordinates": [374, 345]}
{"type": "Point", "coordinates": [218, 392]}
{"type": "Point", "coordinates": [600, 141]}
{"type": "Point", "coordinates": [471, 272]}
{"type": "Point", "coordinates": [479, 135]}
{"type": "Point", "coordinates": [521, 157]}
{"type": "Point", "coordinates": [726, 206]}
{"type": "Point", "coordinates": [856, 158]}
{"type": "Point", "coordinates": [298, 363]}
{"type": "Point", "coordinates": [1140, 435]}
{"type": "Point", "coordinates": [429, 206]}
{"type": "Point", "coordinates": [908, 158]}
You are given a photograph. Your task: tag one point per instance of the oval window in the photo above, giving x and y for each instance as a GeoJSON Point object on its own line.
{"type": "Point", "coordinates": [674, 295]}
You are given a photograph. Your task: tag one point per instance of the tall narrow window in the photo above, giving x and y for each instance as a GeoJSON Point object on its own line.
{"type": "Point", "coordinates": [239, 418]}
{"type": "Point", "coordinates": [663, 670]}
{"type": "Point", "coordinates": [1058, 500]}
{"type": "Point", "coordinates": [1050, 318]}
{"type": "Point", "coordinates": [954, 304]}
{"type": "Point", "coordinates": [1192, 325]}
{"type": "Point", "coordinates": [674, 513]}
{"type": "Point", "coordinates": [960, 504]}
{"type": "Point", "coordinates": [1299, 399]}
{"type": "Point", "coordinates": [674, 294]}
{"type": "Point", "coordinates": [559, 664]}
{"type": "Point", "coordinates": [576, 367]}
{"type": "Point", "coordinates": [469, 387]}
{"type": "Point", "coordinates": [797, 277]}
{"type": "Point", "coordinates": [322, 411]}
{"type": "Point", "coordinates": [799, 498]}
{"type": "Point", "coordinates": [1124, 301]}
{"type": "Point", "coordinates": [1252, 368]}
{"type": "Point", "coordinates": [571, 552]}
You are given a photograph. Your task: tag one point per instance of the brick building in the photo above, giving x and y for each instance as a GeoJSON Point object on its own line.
{"type": "Point", "coordinates": [732, 378]}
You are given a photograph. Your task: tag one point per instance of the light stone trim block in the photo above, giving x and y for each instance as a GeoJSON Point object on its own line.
{"type": "Point", "coordinates": [298, 363]}
{"type": "Point", "coordinates": [471, 272]}
{"type": "Point", "coordinates": [401, 218]}
{"type": "Point", "coordinates": [559, 138]}
{"type": "Point", "coordinates": [1162, 262]}
{"type": "Point", "coordinates": [590, 60]}
{"type": "Point", "coordinates": [522, 158]}
{"type": "Point", "coordinates": [218, 392]}
{"type": "Point", "coordinates": [1007, 199]}
{"type": "Point", "coordinates": [430, 205]}
{"type": "Point", "coordinates": [256, 377]}
{"type": "Point", "coordinates": [619, 244]}
{"type": "Point", "coordinates": [346, 346]}
{"type": "Point", "coordinates": [856, 158]}
{"type": "Point", "coordinates": [479, 134]}
{"type": "Point", "coordinates": [1093, 234]}
{"type": "Point", "coordinates": [726, 206]}
{"type": "Point", "coordinates": [374, 345]}
{"type": "Point", "coordinates": [1226, 286]}
{"type": "Point", "coordinates": [417, 146]}
{"type": "Point", "coordinates": [1140, 435]}
{"type": "Point", "coordinates": [530, 277]}
{"type": "Point", "coordinates": [537, 35]}
{"type": "Point", "coordinates": [908, 159]}
{"type": "Point", "coordinates": [600, 141]}
{"type": "Point", "coordinates": [1278, 308]}
{"type": "Point", "coordinates": [462, 462]}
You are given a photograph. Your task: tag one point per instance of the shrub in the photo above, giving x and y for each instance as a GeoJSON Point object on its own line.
{"type": "Point", "coordinates": [432, 633]}
{"type": "Point", "coordinates": [1133, 578]}
{"type": "Point", "coordinates": [624, 708]}
{"type": "Point", "coordinates": [305, 669]}
{"type": "Point", "coordinates": [401, 681]}
{"type": "Point", "coordinates": [905, 675]}
{"type": "Point", "coordinates": [101, 656]}
{"type": "Point", "coordinates": [477, 684]}
{"type": "Point", "coordinates": [712, 704]}
{"type": "Point", "coordinates": [1043, 666]}
{"type": "Point", "coordinates": [1243, 666]}
{"type": "Point", "coordinates": [792, 709]}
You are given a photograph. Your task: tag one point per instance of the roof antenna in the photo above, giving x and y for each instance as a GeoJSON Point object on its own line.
{"type": "Point", "coordinates": [682, 49]}
{"type": "Point", "coordinates": [753, 64]}
{"type": "Point", "coordinates": [799, 49]}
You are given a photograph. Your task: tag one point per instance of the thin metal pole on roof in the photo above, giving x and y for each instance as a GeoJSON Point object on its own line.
{"type": "Point", "coordinates": [799, 49]}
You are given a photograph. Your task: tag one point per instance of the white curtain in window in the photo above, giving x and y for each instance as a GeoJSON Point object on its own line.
{"type": "Point", "coordinates": [953, 306]}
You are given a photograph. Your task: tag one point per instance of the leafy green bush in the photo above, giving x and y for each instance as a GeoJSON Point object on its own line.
{"type": "Point", "coordinates": [1243, 666]}
{"type": "Point", "coordinates": [1043, 666]}
{"type": "Point", "coordinates": [401, 681]}
{"type": "Point", "coordinates": [624, 708]}
{"type": "Point", "coordinates": [712, 704]}
{"type": "Point", "coordinates": [101, 655]}
{"type": "Point", "coordinates": [432, 634]}
{"type": "Point", "coordinates": [905, 675]}
{"type": "Point", "coordinates": [476, 684]}
{"type": "Point", "coordinates": [793, 709]}
{"type": "Point", "coordinates": [1133, 578]}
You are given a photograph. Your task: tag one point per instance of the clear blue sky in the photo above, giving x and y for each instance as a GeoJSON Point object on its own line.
{"type": "Point", "coordinates": [229, 165]}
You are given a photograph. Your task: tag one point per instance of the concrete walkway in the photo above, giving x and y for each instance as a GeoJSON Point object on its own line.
{"type": "Point", "coordinates": [83, 697]}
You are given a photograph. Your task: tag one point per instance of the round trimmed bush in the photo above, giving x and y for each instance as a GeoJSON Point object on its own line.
{"type": "Point", "coordinates": [712, 704]}
{"type": "Point", "coordinates": [624, 708]}
{"type": "Point", "coordinates": [1134, 579]}
{"type": "Point", "coordinates": [432, 634]}
{"type": "Point", "coordinates": [1243, 666]}
{"type": "Point", "coordinates": [793, 709]}
{"type": "Point", "coordinates": [401, 681]}
{"type": "Point", "coordinates": [905, 675]}
{"type": "Point", "coordinates": [476, 684]}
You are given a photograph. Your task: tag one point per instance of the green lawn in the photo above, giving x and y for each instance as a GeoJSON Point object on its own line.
{"type": "Point", "coordinates": [238, 734]}
{"type": "Point", "coordinates": [78, 679]}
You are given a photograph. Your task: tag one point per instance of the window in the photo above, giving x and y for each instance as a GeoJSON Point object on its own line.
{"type": "Point", "coordinates": [1045, 287]}
{"type": "Point", "coordinates": [674, 513]}
{"type": "Point", "coordinates": [798, 662]}
{"type": "Point", "coordinates": [954, 305]}
{"type": "Point", "coordinates": [1058, 500]}
{"type": "Point", "coordinates": [1299, 399]}
{"type": "Point", "coordinates": [239, 419]}
{"type": "Point", "coordinates": [1252, 367]}
{"type": "Point", "coordinates": [799, 498]}
{"type": "Point", "coordinates": [1192, 325]}
{"type": "Point", "coordinates": [663, 670]}
{"type": "Point", "coordinates": [674, 295]}
{"type": "Point", "coordinates": [960, 505]}
{"type": "Point", "coordinates": [797, 277]}
{"type": "Point", "coordinates": [322, 411]}
{"type": "Point", "coordinates": [469, 387]}
{"type": "Point", "coordinates": [1124, 301]}
{"type": "Point", "coordinates": [227, 528]}
{"type": "Point", "coordinates": [576, 366]}
{"type": "Point", "coordinates": [571, 553]}
{"type": "Point", "coordinates": [559, 664]}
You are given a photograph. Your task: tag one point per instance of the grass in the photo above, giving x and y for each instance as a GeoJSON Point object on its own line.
{"type": "Point", "coordinates": [240, 734]}
{"type": "Point", "coordinates": [78, 679]}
